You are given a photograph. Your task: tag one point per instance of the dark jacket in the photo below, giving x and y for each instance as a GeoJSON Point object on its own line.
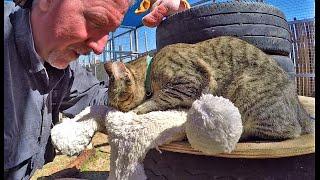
{"type": "Point", "coordinates": [35, 93]}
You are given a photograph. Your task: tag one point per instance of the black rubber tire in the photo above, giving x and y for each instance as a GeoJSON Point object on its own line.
{"type": "Point", "coordinates": [226, 8]}
{"type": "Point", "coordinates": [222, 20]}
{"type": "Point", "coordinates": [176, 166]}
{"type": "Point", "coordinates": [257, 23]}
{"type": "Point", "coordinates": [286, 64]}
{"type": "Point", "coordinates": [271, 45]}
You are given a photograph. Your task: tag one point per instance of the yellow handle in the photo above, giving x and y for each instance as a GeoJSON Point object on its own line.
{"type": "Point", "coordinates": [186, 4]}
{"type": "Point", "coordinates": [144, 6]}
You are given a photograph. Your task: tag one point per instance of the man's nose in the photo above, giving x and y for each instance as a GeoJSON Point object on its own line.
{"type": "Point", "coordinates": [98, 45]}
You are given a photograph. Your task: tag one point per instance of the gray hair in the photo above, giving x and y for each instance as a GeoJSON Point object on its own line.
{"type": "Point", "coordinates": [34, 2]}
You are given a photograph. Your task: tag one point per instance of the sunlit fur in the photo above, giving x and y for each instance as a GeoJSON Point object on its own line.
{"type": "Point", "coordinates": [223, 66]}
{"type": "Point", "coordinates": [128, 91]}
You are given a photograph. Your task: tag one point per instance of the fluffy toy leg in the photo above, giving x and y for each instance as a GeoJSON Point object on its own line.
{"type": "Point", "coordinates": [132, 135]}
{"type": "Point", "coordinates": [73, 135]}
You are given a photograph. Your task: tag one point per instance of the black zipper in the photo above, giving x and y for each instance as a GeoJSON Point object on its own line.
{"type": "Point", "coordinates": [42, 117]}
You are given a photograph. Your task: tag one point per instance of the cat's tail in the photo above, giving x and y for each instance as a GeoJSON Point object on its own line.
{"type": "Point", "coordinates": [306, 118]}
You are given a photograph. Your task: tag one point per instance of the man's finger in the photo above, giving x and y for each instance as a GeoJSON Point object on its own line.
{"type": "Point", "coordinates": [155, 17]}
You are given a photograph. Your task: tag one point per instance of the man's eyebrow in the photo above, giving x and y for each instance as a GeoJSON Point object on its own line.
{"type": "Point", "coordinates": [116, 16]}
{"type": "Point", "coordinates": [97, 18]}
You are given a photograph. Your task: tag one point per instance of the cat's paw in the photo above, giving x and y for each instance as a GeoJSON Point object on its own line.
{"type": "Point", "coordinates": [149, 106]}
{"type": "Point", "coordinates": [140, 110]}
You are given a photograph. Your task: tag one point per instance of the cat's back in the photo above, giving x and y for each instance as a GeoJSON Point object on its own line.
{"type": "Point", "coordinates": [175, 59]}
{"type": "Point", "coordinates": [225, 56]}
{"type": "Point", "coordinates": [216, 51]}
{"type": "Point", "coordinates": [238, 56]}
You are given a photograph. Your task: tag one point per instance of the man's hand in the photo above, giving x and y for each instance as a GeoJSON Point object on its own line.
{"type": "Point", "coordinates": [160, 9]}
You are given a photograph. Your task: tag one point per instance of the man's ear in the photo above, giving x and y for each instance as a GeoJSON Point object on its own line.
{"type": "Point", "coordinates": [44, 5]}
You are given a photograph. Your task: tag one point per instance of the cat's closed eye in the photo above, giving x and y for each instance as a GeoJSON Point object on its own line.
{"type": "Point", "coordinates": [128, 81]}
{"type": "Point", "coordinates": [111, 78]}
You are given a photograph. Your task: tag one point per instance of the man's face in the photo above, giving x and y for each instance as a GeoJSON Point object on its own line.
{"type": "Point", "coordinates": [76, 27]}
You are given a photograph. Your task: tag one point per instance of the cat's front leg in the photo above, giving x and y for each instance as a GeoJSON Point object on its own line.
{"type": "Point", "coordinates": [146, 107]}
{"type": "Point", "coordinates": [179, 92]}
{"type": "Point", "coordinates": [169, 98]}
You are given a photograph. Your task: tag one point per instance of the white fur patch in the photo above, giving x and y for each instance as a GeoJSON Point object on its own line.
{"type": "Point", "coordinates": [71, 136]}
{"type": "Point", "coordinates": [214, 125]}
{"type": "Point", "coordinates": [131, 136]}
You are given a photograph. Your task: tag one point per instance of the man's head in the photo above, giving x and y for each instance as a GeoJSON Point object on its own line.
{"type": "Point", "coordinates": [65, 29]}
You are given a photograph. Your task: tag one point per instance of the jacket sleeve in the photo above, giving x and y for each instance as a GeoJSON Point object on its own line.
{"type": "Point", "coordinates": [84, 90]}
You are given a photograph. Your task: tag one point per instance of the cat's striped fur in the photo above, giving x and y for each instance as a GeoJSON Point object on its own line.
{"type": "Point", "coordinates": [223, 66]}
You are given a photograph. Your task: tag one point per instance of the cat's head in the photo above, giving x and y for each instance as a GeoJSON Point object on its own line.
{"type": "Point", "coordinates": [122, 86]}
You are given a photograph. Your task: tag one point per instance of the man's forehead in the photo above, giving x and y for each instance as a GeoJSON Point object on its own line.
{"type": "Point", "coordinates": [119, 5]}
{"type": "Point", "coordinates": [110, 11]}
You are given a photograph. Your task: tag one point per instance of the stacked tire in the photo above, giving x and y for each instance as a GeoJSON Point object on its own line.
{"type": "Point", "coordinates": [182, 166]}
{"type": "Point", "coordinates": [257, 23]}
{"type": "Point", "coordinates": [260, 24]}
{"type": "Point", "coordinates": [287, 65]}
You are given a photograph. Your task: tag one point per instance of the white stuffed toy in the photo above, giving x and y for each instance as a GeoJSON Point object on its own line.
{"type": "Point", "coordinates": [212, 125]}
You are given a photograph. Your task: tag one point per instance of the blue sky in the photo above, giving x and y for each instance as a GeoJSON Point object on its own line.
{"type": "Point", "coordinates": [300, 9]}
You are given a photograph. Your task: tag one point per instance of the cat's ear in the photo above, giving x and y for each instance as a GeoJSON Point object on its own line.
{"type": "Point", "coordinates": [119, 70]}
{"type": "Point", "coordinates": [116, 69]}
{"type": "Point", "coordinates": [108, 67]}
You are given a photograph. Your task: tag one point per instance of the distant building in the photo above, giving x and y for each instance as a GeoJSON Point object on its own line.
{"type": "Point", "coordinates": [303, 55]}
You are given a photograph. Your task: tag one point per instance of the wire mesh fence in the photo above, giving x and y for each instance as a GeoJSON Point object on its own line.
{"type": "Point", "coordinates": [127, 44]}
{"type": "Point", "coordinates": [303, 55]}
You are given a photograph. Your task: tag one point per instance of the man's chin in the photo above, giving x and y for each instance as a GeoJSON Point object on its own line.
{"type": "Point", "coordinates": [61, 65]}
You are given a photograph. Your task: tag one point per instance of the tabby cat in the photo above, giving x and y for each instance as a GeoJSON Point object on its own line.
{"type": "Point", "coordinates": [223, 66]}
